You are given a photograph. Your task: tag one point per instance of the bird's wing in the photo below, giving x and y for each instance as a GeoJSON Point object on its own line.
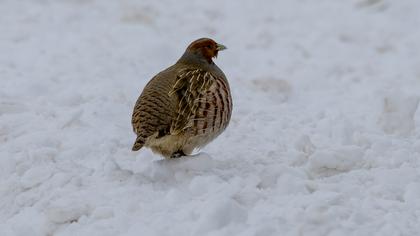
{"type": "Point", "coordinates": [154, 109]}
{"type": "Point", "coordinates": [190, 86]}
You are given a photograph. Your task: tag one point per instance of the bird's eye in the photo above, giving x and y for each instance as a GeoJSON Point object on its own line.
{"type": "Point", "coordinates": [209, 46]}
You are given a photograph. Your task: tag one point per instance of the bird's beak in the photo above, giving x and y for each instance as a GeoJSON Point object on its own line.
{"type": "Point", "coordinates": [220, 47]}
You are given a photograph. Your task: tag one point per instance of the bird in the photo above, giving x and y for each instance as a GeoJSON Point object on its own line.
{"type": "Point", "coordinates": [186, 106]}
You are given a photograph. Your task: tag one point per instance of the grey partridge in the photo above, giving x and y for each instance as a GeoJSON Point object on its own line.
{"type": "Point", "coordinates": [185, 106]}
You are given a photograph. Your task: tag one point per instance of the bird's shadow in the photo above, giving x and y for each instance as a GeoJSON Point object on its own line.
{"type": "Point", "coordinates": [176, 169]}
{"type": "Point", "coordinates": [183, 158]}
{"type": "Point", "coordinates": [199, 161]}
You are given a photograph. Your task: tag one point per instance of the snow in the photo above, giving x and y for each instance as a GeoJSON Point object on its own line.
{"type": "Point", "coordinates": [324, 138]}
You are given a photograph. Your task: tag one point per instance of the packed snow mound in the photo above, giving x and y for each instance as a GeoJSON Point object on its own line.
{"type": "Point", "coordinates": [324, 138]}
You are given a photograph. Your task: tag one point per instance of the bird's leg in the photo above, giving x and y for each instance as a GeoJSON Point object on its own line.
{"type": "Point", "coordinates": [178, 154]}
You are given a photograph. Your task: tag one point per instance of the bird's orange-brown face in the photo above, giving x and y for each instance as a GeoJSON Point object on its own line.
{"type": "Point", "coordinates": [207, 48]}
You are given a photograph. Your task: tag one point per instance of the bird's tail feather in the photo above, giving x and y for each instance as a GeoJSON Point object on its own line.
{"type": "Point", "coordinates": [138, 144]}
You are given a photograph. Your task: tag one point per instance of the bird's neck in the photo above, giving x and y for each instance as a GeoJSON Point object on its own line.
{"type": "Point", "coordinates": [194, 59]}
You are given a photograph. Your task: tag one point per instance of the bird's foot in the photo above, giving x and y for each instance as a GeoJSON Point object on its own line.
{"type": "Point", "coordinates": [178, 154]}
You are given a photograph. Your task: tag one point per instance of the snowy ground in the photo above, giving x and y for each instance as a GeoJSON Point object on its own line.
{"type": "Point", "coordinates": [324, 139]}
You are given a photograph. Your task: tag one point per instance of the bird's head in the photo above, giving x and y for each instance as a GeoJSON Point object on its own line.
{"type": "Point", "coordinates": [205, 48]}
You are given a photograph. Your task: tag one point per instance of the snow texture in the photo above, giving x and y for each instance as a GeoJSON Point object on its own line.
{"type": "Point", "coordinates": [324, 138]}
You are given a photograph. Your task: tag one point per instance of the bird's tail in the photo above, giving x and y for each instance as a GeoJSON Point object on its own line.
{"type": "Point", "coordinates": [138, 144]}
